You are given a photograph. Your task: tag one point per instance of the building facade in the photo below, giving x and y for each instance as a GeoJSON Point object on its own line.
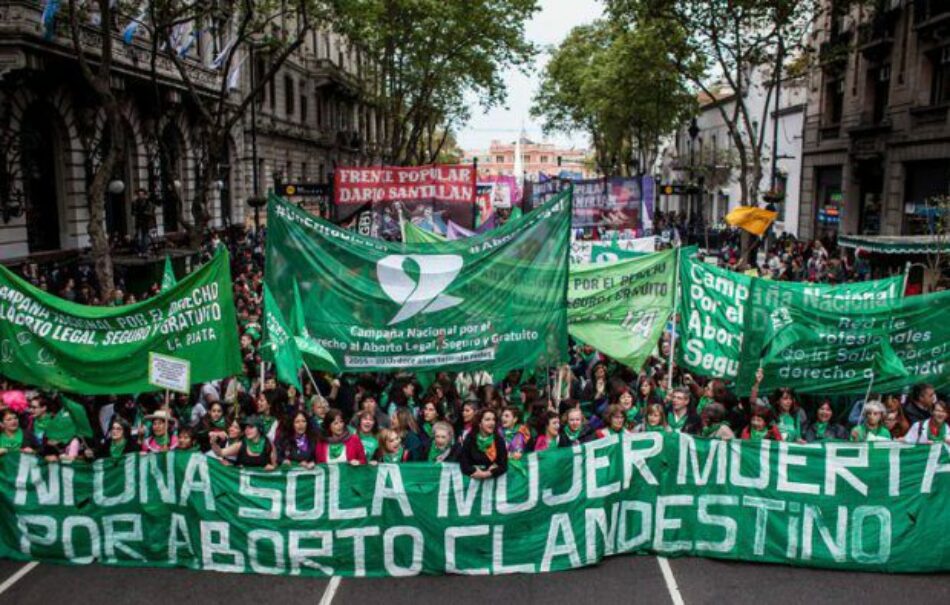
{"type": "Point", "coordinates": [709, 162]}
{"type": "Point", "coordinates": [877, 133]}
{"type": "Point", "coordinates": [310, 118]}
{"type": "Point", "coordinates": [536, 159]}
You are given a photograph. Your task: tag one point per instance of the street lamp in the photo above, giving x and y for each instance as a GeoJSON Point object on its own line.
{"type": "Point", "coordinates": [257, 202]}
{"type": "Point", "coordinates": [693, 133]}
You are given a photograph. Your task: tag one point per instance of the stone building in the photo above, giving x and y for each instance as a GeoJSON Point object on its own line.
{"type": "Point", "coordinates": [311, 118]}
{"type": "Point", "coordinates": [877, 135]}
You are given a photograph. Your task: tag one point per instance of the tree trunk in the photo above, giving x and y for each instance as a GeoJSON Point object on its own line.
{"type": "Point", "coordinates": [98, 238]}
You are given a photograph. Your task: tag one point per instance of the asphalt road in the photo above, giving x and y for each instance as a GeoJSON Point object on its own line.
{"type": "Point", "coordinates": [624, 579]}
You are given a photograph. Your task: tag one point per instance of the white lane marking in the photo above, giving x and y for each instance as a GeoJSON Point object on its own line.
{"type": "Point", "coordinates": [16, 577]}
{"type": "Point", "coordinates": [330, 592]}
{"type": "Point", "coordinates": [671, 586]}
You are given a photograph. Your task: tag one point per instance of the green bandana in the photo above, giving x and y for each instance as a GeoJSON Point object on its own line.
{"type": "Point", "coordinates": [820, 428]}
{"type": "Point", "coordinates": [631, 414]}
{"type": "Point", "coordinates": [427, 427]}
{"type": "Point", "coordinates": [11, 442]}
{"type": "Point", "coordinates": [788, 427]}
{"type": "Point", "coordinates": [676, 425]}
{"type": "Point", "coordinates": [552, 442]}
{"type": "Point", "coordinates": [656, 428]}
{"type": "Point", "coordinates": [162, 441]}
{"type": "Point", "coordinates": [255, 449]}
{"type": "Point", "coordinates": [703, 402]}
{"type": "Point", "coordinates": [370, 444]}
{"type": "Point", "coordinates": [484, 441]}
{"type": "Point", "coordinates": [220, 423]}
{"type": "Point", "coordinates": [336, 450]}
{"type": "Point", "coordinates": [268, 423]}
{"type": "Point", "coordinates": [116, 449]}
{"type": "Point", "coordinates": [757, 434]}
{"type": "Point", "coordinates": [435, 452]}
{"type": "Point", "coordinates": [572, 435]}
{"type": "Point", "coordinates": [393, 457]}
{"type": "Point", "coordinates": [39, 426]}
{"type": "Point", "coordinates": [709, 431]}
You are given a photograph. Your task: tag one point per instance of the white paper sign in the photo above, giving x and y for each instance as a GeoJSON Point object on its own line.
{"type": "Point", "coordinates": [169, 373]}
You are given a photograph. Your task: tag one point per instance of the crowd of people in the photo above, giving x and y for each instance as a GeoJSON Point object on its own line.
{"type": "Point", "coordinates": [484, 423]}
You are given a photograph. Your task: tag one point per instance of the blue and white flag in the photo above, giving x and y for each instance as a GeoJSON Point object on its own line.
{"type": "Point", "coordinates": [234, 78]}
{"type": "Point", "coordinates": [189, 42]}
{"type": "Point", "coordinates": [222, 56]}
{"type": "Point", "coordinates": [128, 34]}
{"type": "Point", "coordinates": [48, 18]}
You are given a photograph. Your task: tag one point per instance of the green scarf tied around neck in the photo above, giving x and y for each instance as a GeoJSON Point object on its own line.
{"type": "Point", "coordinates": [117, 449]}
{"type": "Point", "coordinates": [427, 428]}
{"type": "Point", "coordinates": [336, 450]}
{"type": "Point", "coordinates": [394, 456]}
{"type": "Point", "coordinates": [631, 414]}
{"type": "Point", "coordinates": [572, 435]}
{"type": "Point", "coordinates": [656, 428]}
{"type": "Point", "coordinates": [484, 442]}
{"type": "Point", "coordinates": [710, 430]}
{"type": "Point", "coordinates": [820, 428]}
{"type": "Point", "coordinates": [11, 442]}
{"type": "Point", "coordinates": [255, 449]}
{"type": "Point", "coordinates": [370, 444]}
{"type": "Point", "coordinates": [757, 434]}
{"type": "Point", "coordinates": [61, 428]}
{"type": "Point", "coordinates": [435, 452]}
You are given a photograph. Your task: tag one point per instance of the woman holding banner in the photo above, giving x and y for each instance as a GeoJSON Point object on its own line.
{"type": "Point", "coordinates": [789, 417]}
{"type": "Point", "coordinates": [296, 442]}
{"type": "Point", "coordinates": [654, 420]}
{"type": "Point", "coordinates": [14, 438]}
{"type": "Point", "coordinates": [253, 451]}
{"type": "Point", "coordinates": [872, 424]}
{"type": "Point", "coordinates": [404, 423]}
{"type": "Point", "coordinates": [517, 435]}
{"type": "Point", "coordinates": [551, 436]}
{"type": "Point", "coordinates": [119, 442]}
{"type": "Point", "coordinates": [824, 428]}
{"type": "Point", "coordinates": [443, 448]}
{"type": "Point", "coordinates": [483, 452]}
{"type": "Point", "coordinates": [390, 448]}
{"type": "Point", "coordinates": [931, 431]}
{"type": "Point", "coordinates": [615, 421]}
{"type": "Point", "coordinates": [574, 429]}
{"type": "Point", "coordinates": [338, 444]}
{"type": "Point", "coordinates": [366, 427]}
{"type": "Point", "coordinates": [760, 425]}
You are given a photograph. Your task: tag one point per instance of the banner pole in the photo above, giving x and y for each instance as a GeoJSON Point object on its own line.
{"type": "Point", "coordinates": [312, 381]}
{"type": "Point", "coordinates": [676, 304]}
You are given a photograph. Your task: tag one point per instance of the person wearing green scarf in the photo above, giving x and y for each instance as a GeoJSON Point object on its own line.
{"type": "Point", "coordinates": [654, 420]}
{"type": "Point", "coordinates": [253, 451]}
{"type": "Point", "coordinates": [551, 437]}
{"type": "Point", "coordinates": [824, 428]}
{"type": "Point", "coordinates": [483, 454]}
{"type": "Point", "coordinates": [714, 423]}
{"type": "Point", "coordinates": [789, 416]}
{"type": "Point", "coordinates": [430, 413]}
{"type": "Point", "coordinates": [212, 423]}
{"type": "Point", "coordinates": [39, 415]}
{"type": "Point", "coordinates": [14, 438]}
{"type": "Point", "coordinates": [118, 443]}
{"type": "Point", "coordinates": [337, 444]}
{"type": "Point", "coordinates": [760, 425]}
{"type": "Point", "coordinates": [872, 426]}
{"type": "Point", "coordinates": [680, 418]}
{"type": "Point", "coordinates": [390, 448]}
{"type": "Point", "coordinates": [574, 430]}
{"type": "Point", "coordinates": [515, 433]}
{"type": "Point", "coordinates": [443, 440]}
{"type": "Point", "coordinates": [614, 421]}
{"type": "Point", "coordinates": [161, 438]}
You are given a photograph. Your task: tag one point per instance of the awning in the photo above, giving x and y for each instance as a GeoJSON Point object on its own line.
{"type": "Point", "coordinates": [896, 244]}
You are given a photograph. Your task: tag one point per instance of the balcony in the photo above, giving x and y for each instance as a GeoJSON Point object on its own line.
{"type": "Point", "coordinates": [833, 54]}
{"type": "Point", "coordinates": [932, 19]}
{"type": "Point", "coordinates": [829, 132]}
{"type": "Point", "coordinates": [327, 74]}
{"type": "Point", "coordinates": [930, 115]}
{"type": "Point", "coordinates": [876, 37]}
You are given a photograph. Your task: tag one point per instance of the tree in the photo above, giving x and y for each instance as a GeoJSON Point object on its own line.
{"type": "Point", "coordinates": [272, 29]}
{"type": "Point", "coordinates": [427, 57]}
{"type": "Point", "coordinates": [618, 86]}
{"type": "Point", "coordinates": [105, 140]}
{"type": "Point", "coordinates": [937, 210]}
{"type": "Point", "coordinates": [740, 42]}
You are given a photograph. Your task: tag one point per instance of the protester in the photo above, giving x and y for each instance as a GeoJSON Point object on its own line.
{"type": "Point", "coordinates": [443, 447]}
{"type": "Point", "coordinates": [919, 404]}
{"type": "Point", "coordinates": [574, 428]}
{"type": "Point", "coordinates": [789, 417]}
{"type": "Point", "coordinates": [894, 419]}
{"type": "Point", "coordinates": [714, 423]}
{"type": "Point", "coordinates": [390, 447]}
{"type": "Point", "coordinates": [824, 428]}
{"type": "Point", "coordinates": [680, 418]}
{"type": "Point", "coordinates": [14, 438]}
{"type": "Point", "coordinates": [517, 436]}
{"type": "Point", "coordinates": [760, 425]}
{"type": "Point", "coordinates": [253, 451]}
{"type": "Point", "coordinates": [615, 421]}
{"type": "Point", "coordinates": [160, 439]}
{"type": "Point", "coordinates": [404, 424]}
{"type": "Point", "coordinates": [654, 420]}
{"type": "Point", "coordinates": [337, 444]}
{"type": "Point", "coordinates": [483, 453]}
{"type": "Point", "coordinates": [297, 442]}
{"type": "Point", "coordinates": [118, 443]}
{"type": "Point", "coordinates": [366, 431]}
{"type": "Point", "coordinates": [872, 424]}
{"type": "Point", "coordinates": [934, 429]}
{"type": "Point", "coordinates": [550, 437]}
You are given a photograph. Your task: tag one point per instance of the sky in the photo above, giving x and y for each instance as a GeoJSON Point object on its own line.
{"type": "Point", "coordinates": [549, 26]}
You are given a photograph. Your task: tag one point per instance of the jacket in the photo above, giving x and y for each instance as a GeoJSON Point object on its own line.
{"type": "Point", "coordinates": [353, 448]}
{"type": "Point", "coordinates": [472, 458]}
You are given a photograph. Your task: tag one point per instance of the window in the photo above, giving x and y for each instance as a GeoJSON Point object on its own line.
{"type": "Point", "coordinates": [500, 159]}
{"type": "Point", "coordinates": [272, 94]}
{"type": "Point", "coordinates": [289, 96]}
{"type": "Point", "coordinates": [941, 79]}
{"type": "Point", "coordinates": [303, 109]}
{"type": "Point", "coordinates": [319, 105]}
{"type": "Point", "coordinates": [544, 159]}
{"type": "Point", "coordinates": [881, 83]}
{"type": "Point", "coordinates": [834, 101]}
{"type": "Point", "coordinates": [303, 171]}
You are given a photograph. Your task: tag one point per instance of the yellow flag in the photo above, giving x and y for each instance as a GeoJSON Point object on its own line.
{"type": "Point", "coordinates": [752, 219]}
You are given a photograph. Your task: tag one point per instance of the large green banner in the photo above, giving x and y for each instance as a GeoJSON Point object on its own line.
{"type": "Point", "coordinates": [495, 301]}
{"type": "Point", "coordinates": [621, 308]}
{"type": "Point", "coordinates": [51, 342]}
{"type": "Point", "coordinates": [725, 320]}
{"type": "Point", "coordinates": [876, 506]}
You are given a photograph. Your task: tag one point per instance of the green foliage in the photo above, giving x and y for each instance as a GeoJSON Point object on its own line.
{"type": "Point", "coordinates": [618, 85]}
{"type": "Point", "coordinates": [429, 56]}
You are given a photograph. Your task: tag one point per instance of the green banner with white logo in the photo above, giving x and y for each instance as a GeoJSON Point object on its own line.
{"type": "Point", "coordinates": [495, 301]}
{"type": "Point", "coordinates": [50, 342]}
{"type": "Point", "coordinates": [878, 506]}
{"type": "Point", "coordinates": [621, 308]}
{"type": "Point", "coordinates": [726, 321]}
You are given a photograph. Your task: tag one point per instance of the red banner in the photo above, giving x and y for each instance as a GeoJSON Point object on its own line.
{"type": "Point", "coordinates": [449, 183]}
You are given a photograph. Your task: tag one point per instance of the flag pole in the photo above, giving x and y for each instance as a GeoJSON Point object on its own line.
{"type": "Point", "coordinates": [312, 381]}
{"type": "Point", "coordinates": [676, 304]}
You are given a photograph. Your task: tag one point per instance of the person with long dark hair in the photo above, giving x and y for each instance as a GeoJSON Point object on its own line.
{"type": "Point", "coordinates": [253, 451]}
{"type": "Point", "coordinates": [117, 443]}
{"type": "Point", "coordinates": [483, 454]}
{"type": "Point", "coordinates": [296, 442]}
{"type": "Point", "coordinates": [13, 437]}
{"type": "Point", "coordinates": [338, 444]}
